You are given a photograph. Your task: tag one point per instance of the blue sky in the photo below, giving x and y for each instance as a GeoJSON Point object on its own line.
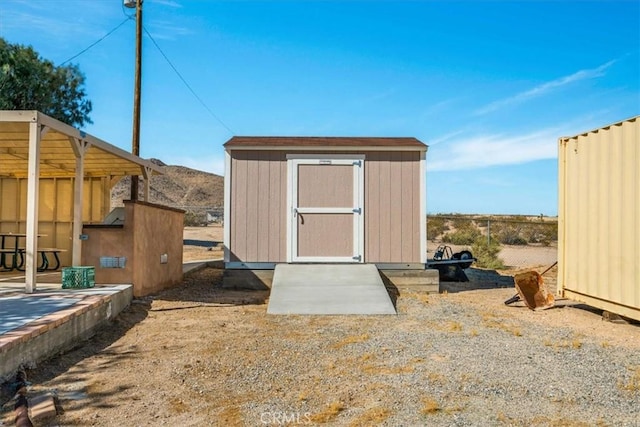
{"type": "Point", "coordinates": [488, 85]}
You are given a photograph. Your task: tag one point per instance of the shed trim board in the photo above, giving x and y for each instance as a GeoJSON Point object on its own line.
{"type": "Point", "coordinates": [259, 199]}
{"type": "Point", "coordinates": [227, 207]}
{"type": "Point", "coordinates": [423, 207]}
{"type": "Point", "coordinates": [34, 145]}
{"type": "Point", "coordinates": [272, 265]}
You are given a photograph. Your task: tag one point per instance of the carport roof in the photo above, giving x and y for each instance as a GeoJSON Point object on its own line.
{"type": "Point", "coordinates": [57, 155]}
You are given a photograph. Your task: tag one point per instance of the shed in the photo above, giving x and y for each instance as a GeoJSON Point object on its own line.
{"type": "Point", "coordinates": [599, 218]}
{"type": "Point", "coordinates": [324, 200]}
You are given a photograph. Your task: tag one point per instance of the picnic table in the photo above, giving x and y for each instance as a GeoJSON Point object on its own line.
{"type": "Point", "coordinates": [12, 255]}
{"type": "Point", "coordinates": [10, 251]}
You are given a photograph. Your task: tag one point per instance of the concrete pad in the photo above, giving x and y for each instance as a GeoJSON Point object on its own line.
{"type": "Point", "coordinates": [328, 289]}
{"type": "Point", "coordinates": [17, 311]}
{"type": "Point", "coordinates": [58, 330]}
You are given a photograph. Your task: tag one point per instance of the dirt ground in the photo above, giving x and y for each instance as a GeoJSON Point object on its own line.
{"type": "Point", "coordinates": [203, 243]}
{"type": "Point", "coordinates": [202, 355]}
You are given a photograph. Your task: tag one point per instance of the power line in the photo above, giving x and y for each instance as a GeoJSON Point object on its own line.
{"type": "Point", "coordinates": [129, 17]}
{"type": "Point", "coordinates": [187, 84]}
{"type": "Point", "coordinates": [96, 42]}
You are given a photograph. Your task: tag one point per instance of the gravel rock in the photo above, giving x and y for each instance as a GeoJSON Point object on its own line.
{"type": "Point", "coordinates": [460, 359]}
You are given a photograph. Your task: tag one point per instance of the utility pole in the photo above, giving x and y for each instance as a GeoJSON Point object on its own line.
{"type": "Point", "coordinates": [135, 141]}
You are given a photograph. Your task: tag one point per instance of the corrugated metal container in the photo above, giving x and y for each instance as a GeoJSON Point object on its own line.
{"type": "Point", "coordinates": [599, 218]}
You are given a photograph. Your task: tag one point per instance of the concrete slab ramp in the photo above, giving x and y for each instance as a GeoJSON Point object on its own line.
{"type": "Point", "coordinates": [328, 289]}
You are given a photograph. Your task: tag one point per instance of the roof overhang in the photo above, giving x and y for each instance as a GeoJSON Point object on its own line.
{"type": "Point", "coordinates": [58, 150]}
{"type": "Point", "coordinates": [350, 144]}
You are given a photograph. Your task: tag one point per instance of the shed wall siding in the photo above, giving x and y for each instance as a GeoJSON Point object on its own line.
{"type": "Point", "coordinates": [599, 217]}
{"type": "Point", "coordinates": [258, 206]}
{"type": "Point", "coordinates": [258, 228]}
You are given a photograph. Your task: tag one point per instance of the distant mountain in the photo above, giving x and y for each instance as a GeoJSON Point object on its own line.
{"type": "Point", "coordinates": [180, 187]}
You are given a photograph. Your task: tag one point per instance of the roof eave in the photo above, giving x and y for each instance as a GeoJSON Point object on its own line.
{"type": "Point", "coordinates": [232, 147]}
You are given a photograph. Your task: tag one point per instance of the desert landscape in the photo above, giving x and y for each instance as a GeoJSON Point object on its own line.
{"type": "Point", "coordinates": [202, 355]}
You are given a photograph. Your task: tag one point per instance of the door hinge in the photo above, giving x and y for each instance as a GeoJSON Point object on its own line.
{"type": "Point", "coordinates": [357, 163]}
{"type": "Point", "coordinates": [357, 210]}
{"type": "Point", "coordinates": [357, 257]}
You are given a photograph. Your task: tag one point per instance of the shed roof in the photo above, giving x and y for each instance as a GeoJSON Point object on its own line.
{"type": "Point", "coordinates": [282, 142]}
{"type": "Point", "coordinates": [57, 155]}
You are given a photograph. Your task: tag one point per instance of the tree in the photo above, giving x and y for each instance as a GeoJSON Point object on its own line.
{"type": "Point", "coordinates": [29, 82]}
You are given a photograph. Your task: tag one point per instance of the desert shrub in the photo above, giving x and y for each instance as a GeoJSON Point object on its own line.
{"type": "Point", "coordinates": [487, 253]}
{"type": "Point", "coordinates": [463, 236]}
{"type": "Point", "coordinates": [508, 233]}
{"type": "Point", "coordinates": [461, 223]}
{"type": "Point", "coordinates": [524, 232]}
{"type": "Point", "coordinates": [543, 233]}
{"type": "Point", "coordinates": [436, 225]}
{"type": "Point", "coordinates": [192, 219]}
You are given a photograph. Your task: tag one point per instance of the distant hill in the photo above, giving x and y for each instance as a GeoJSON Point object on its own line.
{"type": "Point", "coordinates": [180, 187]}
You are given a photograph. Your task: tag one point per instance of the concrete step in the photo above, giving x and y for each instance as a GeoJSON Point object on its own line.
{"type": "Point", "coordinates": [412, 280]}
{"type": "Point", "coordinates": [247, 279]}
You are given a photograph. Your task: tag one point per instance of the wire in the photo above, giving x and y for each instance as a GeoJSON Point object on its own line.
{"type": "Point", "coordinates": [187, 84]}
{"type": "Point", "coordinates": [130, 17]}
{"type": "Point", "coordinates": [96, 42]}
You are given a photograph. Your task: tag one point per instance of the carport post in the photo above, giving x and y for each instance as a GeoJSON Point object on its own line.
{"type": "Point", "coordinates": [33, 187]}
{"type": "Point", "coordinates": [79, 149]}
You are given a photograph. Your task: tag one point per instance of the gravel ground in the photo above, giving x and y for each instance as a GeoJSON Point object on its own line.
{"type": "Point", "coordinates": [200, 355]}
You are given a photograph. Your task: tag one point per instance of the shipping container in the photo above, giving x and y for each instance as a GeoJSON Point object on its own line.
{"type": "Point", "coordinates": [599, 218]}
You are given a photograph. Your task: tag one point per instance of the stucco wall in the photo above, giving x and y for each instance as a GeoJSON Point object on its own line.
{"type": "Point", "coordinates": [109, 241]}
{"type": "Point", "coordinates": [149, 232]}
{"type": "Point", "coordinates": [258, 206]}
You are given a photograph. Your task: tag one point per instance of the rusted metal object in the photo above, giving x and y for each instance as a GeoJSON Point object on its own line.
{"type": "Point", "coordinates": [531, 290]}
{"type": "Point", "coordinates": [21, 411]}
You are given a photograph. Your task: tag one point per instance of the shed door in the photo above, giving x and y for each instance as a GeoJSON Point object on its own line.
{"type": "Point", "coordinates": [326, 210]}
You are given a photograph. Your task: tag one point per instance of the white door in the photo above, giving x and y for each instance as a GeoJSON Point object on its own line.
{"type": "Point", "coordinates": [326, 209]}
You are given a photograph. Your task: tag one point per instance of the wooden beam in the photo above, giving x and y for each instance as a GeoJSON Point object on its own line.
{"type": "Point", "coordinates": [79, 148]}
{"type": "Point", "coordinates": [33, 187]}
{"type": "Point", "coordinates": [146, 173]}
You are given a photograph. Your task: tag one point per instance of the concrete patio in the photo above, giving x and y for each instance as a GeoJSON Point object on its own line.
{"type": "Point", "coordinates": [36, 326]}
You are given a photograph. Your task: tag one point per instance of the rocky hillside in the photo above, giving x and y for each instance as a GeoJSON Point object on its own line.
{"type": "Point", "coordinates": [180, 187]}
